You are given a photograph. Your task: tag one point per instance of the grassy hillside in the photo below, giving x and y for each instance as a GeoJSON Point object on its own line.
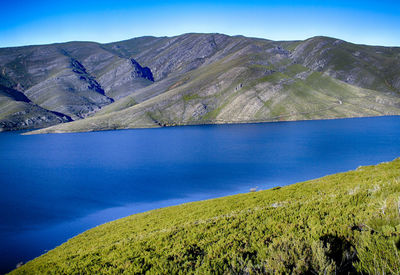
{"type": "Point", "coordinates": [347, 222]}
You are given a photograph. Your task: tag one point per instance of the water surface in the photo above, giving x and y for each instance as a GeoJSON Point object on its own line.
{"type": "Point", "coordinates": [57, 185]}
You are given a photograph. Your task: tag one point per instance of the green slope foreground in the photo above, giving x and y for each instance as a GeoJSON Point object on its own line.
{"type": "Point", "coordinates": [347, 222]}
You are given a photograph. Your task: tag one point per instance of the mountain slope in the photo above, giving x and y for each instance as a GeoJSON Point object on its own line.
{"type": "Point", "coordinates": [341, 223]}
{"type": "Point", "coordinates": [370, 67]}
{"type": "Point", "coordinates": [17, 111]}
{"type": "Point", "coordinates": [73, 79]}
{"type": "Point", "coordinates": [246, 80]}
{"type": "Point", "coordinates": [203, 78]}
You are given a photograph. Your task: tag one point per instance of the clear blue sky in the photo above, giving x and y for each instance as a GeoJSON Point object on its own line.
{"type": "Point", "coordinates": [39, 22]}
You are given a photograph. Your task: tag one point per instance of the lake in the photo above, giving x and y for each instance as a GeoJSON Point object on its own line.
{"type": "Point", "coordinates": [58, 185]}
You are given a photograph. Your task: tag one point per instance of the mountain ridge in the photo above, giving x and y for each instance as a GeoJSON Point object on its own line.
{"type": "Point", "coordinates": [200, 78]}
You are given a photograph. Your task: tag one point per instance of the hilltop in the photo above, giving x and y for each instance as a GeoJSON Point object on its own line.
{"type": "Point", "coordinates": [347, 222]}
{"type": "Point", "coordinates": [193, 79]}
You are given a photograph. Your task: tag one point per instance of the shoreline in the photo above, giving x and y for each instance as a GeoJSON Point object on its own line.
{"type": "Point", "coordinates": [206, 123]}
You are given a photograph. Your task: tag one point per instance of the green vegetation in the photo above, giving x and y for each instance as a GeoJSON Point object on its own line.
{"type": "Point", "coordinates": [273, 78]}
{"type": "Point", "coordinates": [188, 97]}
{"type": "Point", "coordinates": [295, 69]}
{"type": "Point", "coordinates": [347, 222]}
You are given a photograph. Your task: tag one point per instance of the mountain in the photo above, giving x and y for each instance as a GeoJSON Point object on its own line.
{"type": "Point", "coordinates": [195, 79]}
{"type": "Point", "coordinates": [346, 223]}
{"type": "Point", "coordinates": [63, 82]}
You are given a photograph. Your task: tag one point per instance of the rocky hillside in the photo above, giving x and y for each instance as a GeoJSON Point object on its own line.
{"type": "Point", "coordinates": [194, 79]}
{"type": "Point", "coordinates": [44, 85]}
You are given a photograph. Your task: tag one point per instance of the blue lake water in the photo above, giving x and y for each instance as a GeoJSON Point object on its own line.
{"type": "Point", "coordinates": [56, 186]}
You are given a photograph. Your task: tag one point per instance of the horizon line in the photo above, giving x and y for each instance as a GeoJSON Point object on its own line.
{"type": "Point", "coordinates": [187, 33]}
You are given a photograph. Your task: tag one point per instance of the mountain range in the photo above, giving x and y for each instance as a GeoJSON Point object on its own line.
{"type": "Point", "coordinates": [193, 79]}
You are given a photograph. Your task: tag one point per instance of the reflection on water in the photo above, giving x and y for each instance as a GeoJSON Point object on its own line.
{"type": "Point", "coordinates": [55, 186]}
